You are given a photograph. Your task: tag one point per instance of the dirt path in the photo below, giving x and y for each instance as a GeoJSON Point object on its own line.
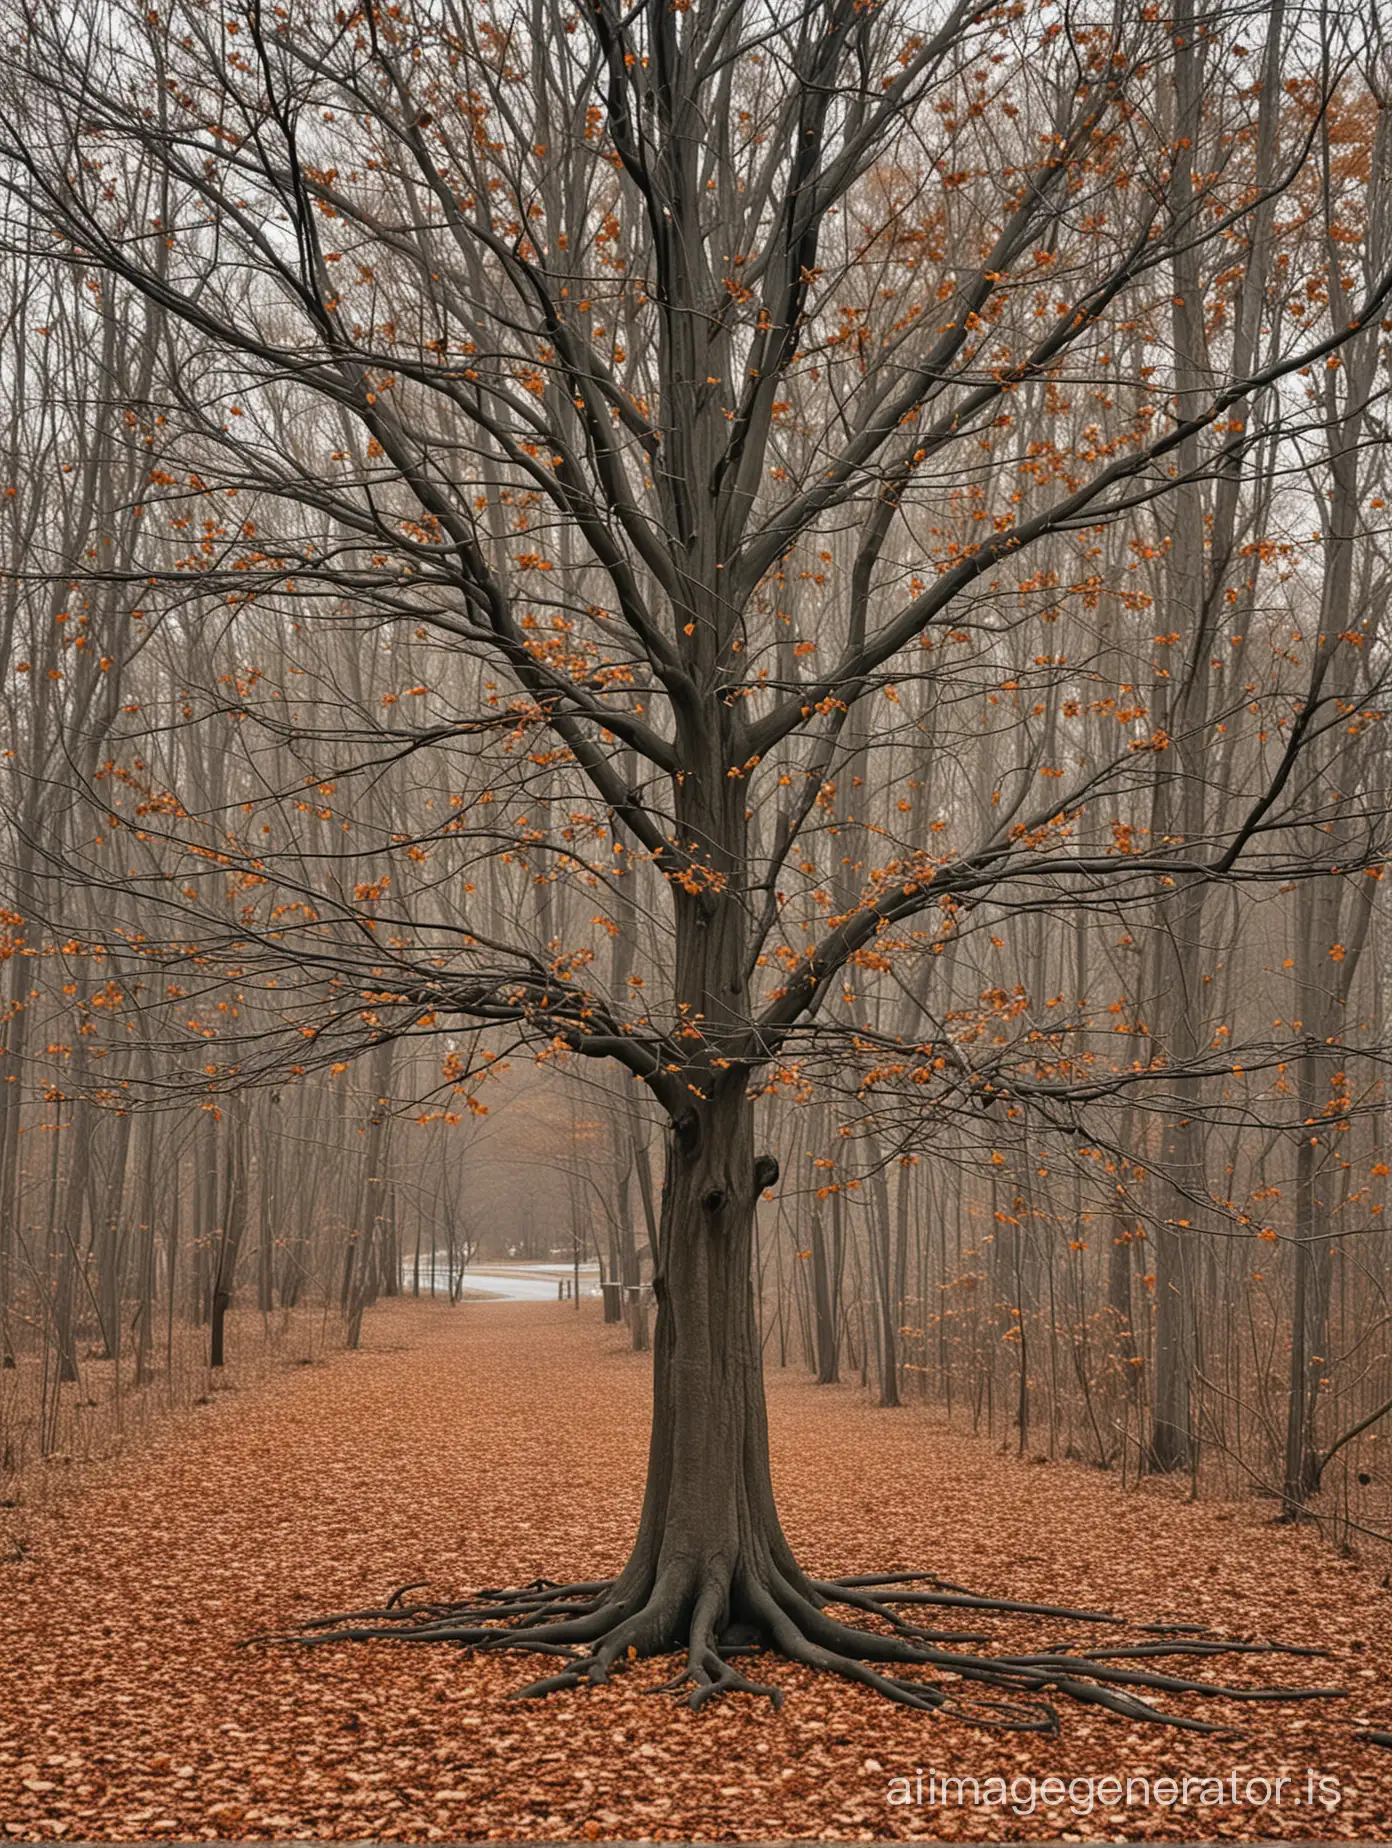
{"type": "Point", "coordinates": [503, 1441]}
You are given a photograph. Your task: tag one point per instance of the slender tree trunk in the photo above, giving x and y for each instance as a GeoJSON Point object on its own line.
{"type": "Point", "coordinates": [230, 1237]}
{"type": "Point", "coordinates": [1181, 703]}
{"type": "Point", "coordinates": [12, 1057]}
{"type": "Point", "coordinates": [145, 1255]}
{"type": "Point", "coordinates": [205, 1206]}
{"type": "Point", "coordinates": [824, 1307]}
{"type": "Point", "coordinates": [70, 1246]}
{"type": "Point", "coordinates": [268, 1205]}
{"type": "Point", "coordinates": [110, 1242]}
{"type": "Point", "coordinates": [886, 1300]}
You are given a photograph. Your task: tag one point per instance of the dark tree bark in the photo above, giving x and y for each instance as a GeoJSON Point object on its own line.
{"type": "Point", "coordinates": [229, 1238]}
{"type": "Point", "coordinates": [826, 1271]}
{"type": "Point", "coordinates": [888, 1289]}
{"type": "Point", "coordinates": [709, 1540]}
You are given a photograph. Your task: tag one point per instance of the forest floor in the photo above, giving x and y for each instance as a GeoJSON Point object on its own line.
{"type": "Point", "coordinates": [498, 1442]}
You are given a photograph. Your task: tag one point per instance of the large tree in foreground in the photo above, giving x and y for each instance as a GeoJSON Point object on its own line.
{"type": "Point", "coordinates": [663, 394]}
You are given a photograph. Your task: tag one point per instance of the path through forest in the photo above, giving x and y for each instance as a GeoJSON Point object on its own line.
{"type": "Point", "coordinates": [496, 1442]}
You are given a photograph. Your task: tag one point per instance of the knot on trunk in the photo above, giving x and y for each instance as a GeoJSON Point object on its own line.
{"type": "Point", "coordinates": [766, 1172]}
{"type": "Point", "coordinates": [713, 1199]}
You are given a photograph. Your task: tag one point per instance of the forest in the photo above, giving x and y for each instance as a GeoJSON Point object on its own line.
{"type": "Point", "coordinates": [733, 659]}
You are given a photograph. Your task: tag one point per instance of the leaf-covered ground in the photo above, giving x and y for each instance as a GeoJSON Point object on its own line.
{"type": "Point", "coordinates": [499, 1442]}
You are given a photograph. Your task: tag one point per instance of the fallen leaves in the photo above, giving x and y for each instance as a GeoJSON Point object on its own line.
{"type": "Point", "coordinates": [500, 1442]}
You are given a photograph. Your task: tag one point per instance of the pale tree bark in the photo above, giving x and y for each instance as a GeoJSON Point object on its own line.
{"type": "Point", "coordinates": [1334, 913]}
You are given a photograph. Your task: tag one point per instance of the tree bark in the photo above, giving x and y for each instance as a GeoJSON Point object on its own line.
{"type": "Point", "coordinates": [709, 1533]}
{"type": "Point", "coordinates": [230, 1237]}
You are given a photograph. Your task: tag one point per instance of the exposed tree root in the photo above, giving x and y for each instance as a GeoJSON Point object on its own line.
{"type": "Point", "coordinates": [712, 1615]}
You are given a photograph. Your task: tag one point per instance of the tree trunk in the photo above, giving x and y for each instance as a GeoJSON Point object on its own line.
{"type": "Point", "coordinates": [824, 1307]}
{"type": "Point", "coordinates": [268, 1203]}
{"type": "Point", "coordinates": [70, 1250]}
{"type": "Point", "coordinates": [230, 1239]}
{"type": "Point", "coordinates": [13, 1050]}
{"type": "Point", "coordinates": [709, 1539]}
{"type": "Point", "coordinates": [110, 1242]}
{"type": "Point", "coordinates": [1179, 811]}
{"type": "Point", "coordinates": [709, 1552]}
{"type": "Point", "coordinates": [145, 1256]}
{"type": "Point", "coordinates": [1300, 1476]}
{"type": "Point", "coordinates": [887, 1301]}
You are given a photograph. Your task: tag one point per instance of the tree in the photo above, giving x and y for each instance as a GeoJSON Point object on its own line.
{"type": "Point", "coordinates": [657, 391]}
